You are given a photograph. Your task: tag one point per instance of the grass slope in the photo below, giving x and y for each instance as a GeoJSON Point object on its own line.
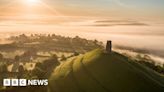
{"type": "Point", "coordinates": [101, 72]}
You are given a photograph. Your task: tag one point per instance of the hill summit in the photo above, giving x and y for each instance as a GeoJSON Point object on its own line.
{"type": "Point", "coordinates": [97, 71]}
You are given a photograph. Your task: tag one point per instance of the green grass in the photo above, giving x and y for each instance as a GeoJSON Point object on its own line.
{"type": "Point", "coordinates": [97, 71]}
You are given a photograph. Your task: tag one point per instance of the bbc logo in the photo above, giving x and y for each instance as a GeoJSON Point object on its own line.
{"type": "Point", "coordinates": [14, 82]}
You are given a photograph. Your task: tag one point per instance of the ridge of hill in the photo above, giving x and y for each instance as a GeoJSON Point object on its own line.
{"type": "Point", "coordinates": [97, 71]}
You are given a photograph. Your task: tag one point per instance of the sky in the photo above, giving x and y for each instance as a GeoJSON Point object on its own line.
{"type": "Point", "coordinates": [111, 8]}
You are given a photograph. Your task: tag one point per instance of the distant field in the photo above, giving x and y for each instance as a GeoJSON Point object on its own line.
{"type": "Point", "coordinates": [29, 65]}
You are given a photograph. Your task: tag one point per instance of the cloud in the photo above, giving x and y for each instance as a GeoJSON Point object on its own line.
{"type": "Point", "coordinates": [105, 23]}
{"type": "Point", "coordinates": [120, 3]}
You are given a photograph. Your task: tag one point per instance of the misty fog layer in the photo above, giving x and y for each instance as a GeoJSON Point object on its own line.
{"type": "Point", "coordinates": [145, 35]}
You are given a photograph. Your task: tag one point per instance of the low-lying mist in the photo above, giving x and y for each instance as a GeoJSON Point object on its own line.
{"type": "Point", "coordinates": [141, 37]}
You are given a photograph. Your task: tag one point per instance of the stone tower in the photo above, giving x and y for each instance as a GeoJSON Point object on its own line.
{"type": "Point", "coordinates": [109, 46]}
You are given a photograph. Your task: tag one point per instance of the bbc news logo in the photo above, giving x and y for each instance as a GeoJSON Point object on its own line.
{"type": "Point", "coordinates": [24, 82]}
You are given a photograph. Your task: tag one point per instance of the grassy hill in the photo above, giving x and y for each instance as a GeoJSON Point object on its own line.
{"type": "Point", "coordinates": [97, 71]}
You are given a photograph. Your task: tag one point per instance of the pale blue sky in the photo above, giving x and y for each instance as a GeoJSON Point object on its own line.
{"type": "Point", "coordinates": [104, 3]}
{"type": "Point", "coordinates": [150, 8]}
{"type": "Point", "coordinates": [108, 3]}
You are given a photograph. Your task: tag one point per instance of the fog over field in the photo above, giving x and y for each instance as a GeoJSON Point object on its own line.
{"type": "Point", "coordinates": [82, 45]}
{"type": "Point", "coordinates": [141, 36]}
